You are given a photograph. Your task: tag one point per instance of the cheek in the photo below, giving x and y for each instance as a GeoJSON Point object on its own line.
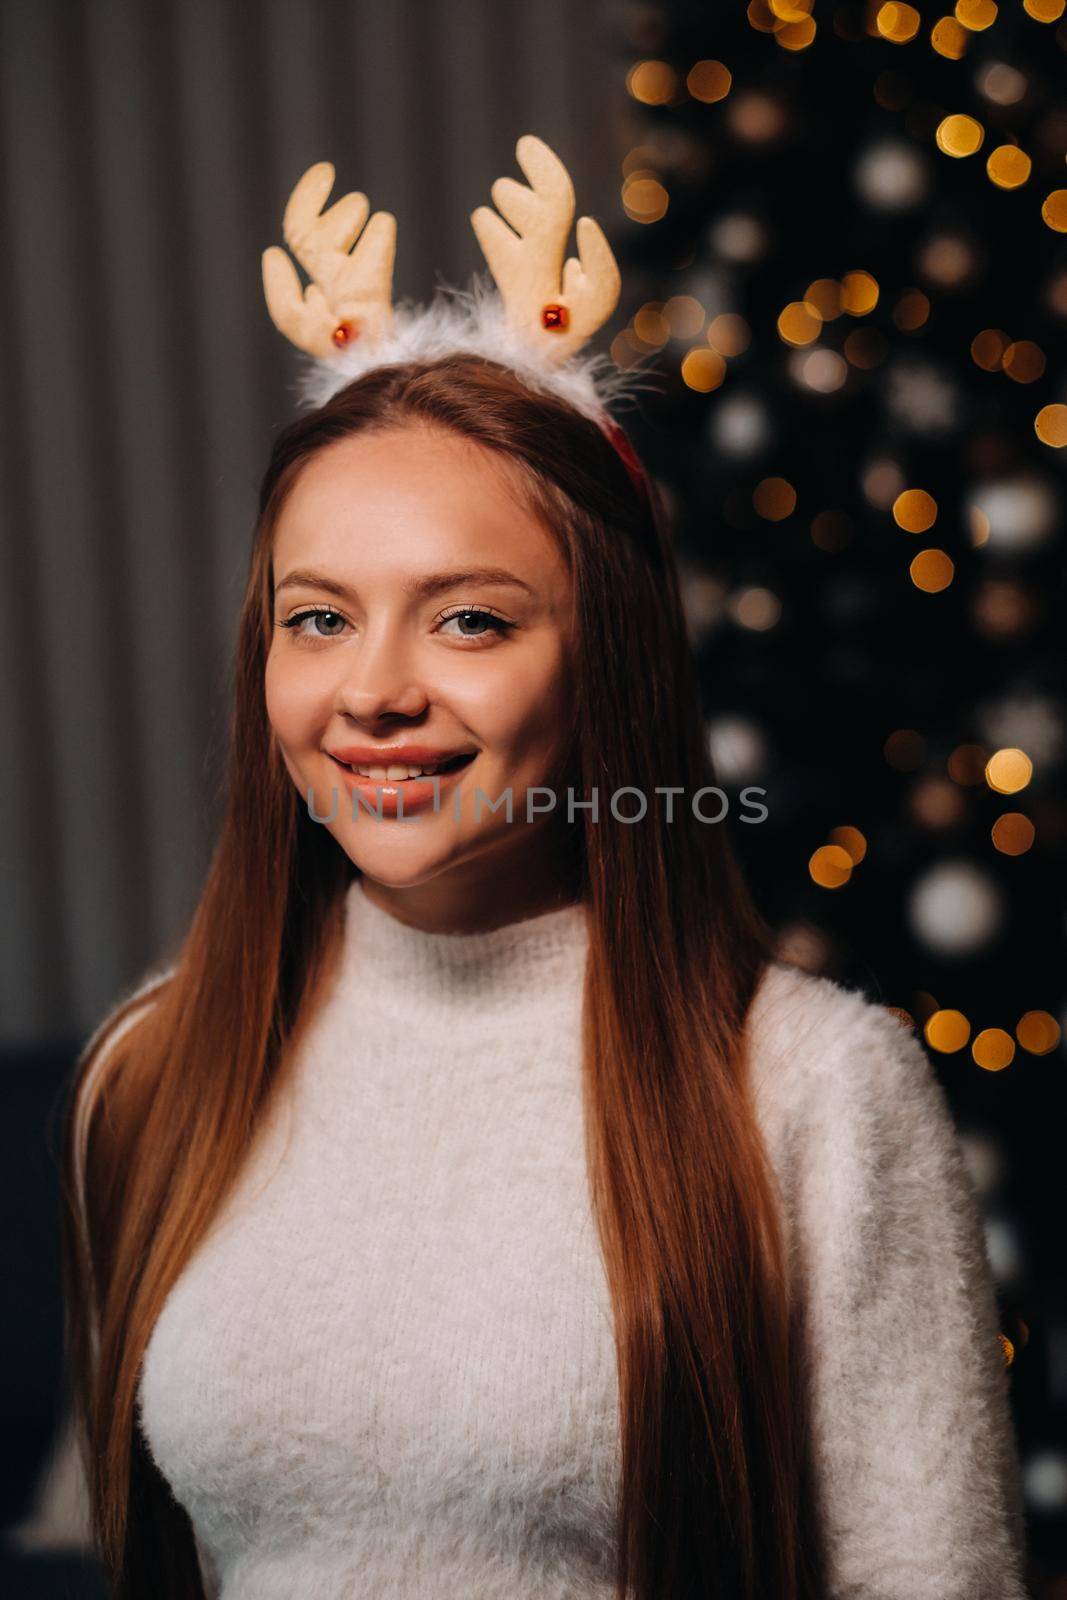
{"type": "Point", "coordinates": [522, 713]}
{"type": "Point", "coordinates": [292, 700]}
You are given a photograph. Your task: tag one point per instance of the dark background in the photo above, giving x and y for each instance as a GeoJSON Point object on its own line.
{"type": "Point", "coordinates": [146, 152]}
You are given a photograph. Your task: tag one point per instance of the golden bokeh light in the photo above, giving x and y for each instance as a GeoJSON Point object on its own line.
{"type": "Point", "coordinates": [988, 347]}
{"type": "Point", "coordinates": [709, 81]}
{"type": "Point", "coordinates": [932, 570]}
{"type": "Point", "coordinates": [897, 23]}
{"type": "Point", "coordinates": [967, 764]}
{"type": "Point", "coordinates": [650, 325]}
{"type": "Point", "coordinates": [684, 316]}
{"type": "Point", "coordinates": [761, 16]}
{"type": "Point", "coordinates": [902, 1016]}
{"type": "Point", "coordinates": [1007, 1347]}
{"type": "Point", "coordinates": [1012, 833]}
{"type": "Point", "coordinates": [993, 1049]}
{"type": "Point", "coordinates": [976, 15]}
{"type": "Point", "coordinates": [958, 135]}
{"type": "Point", "coordinates": [791, 10]}
{"type": "Point", "coordinates": [859, 293]}
{"type": "Point", "coordinates": [703, 369]}
{"type": "Point", "coordinates": [1024, 361]}
{"type": "Point", "coordinates": [851, 841]}
{"type": "Point", "coordinates": [905, 750]}
{"type": "Point", "coordinates": [947, 1031]}
{"type": "Point", "coordinates": [653, 83]}
{"type": "Point", "coordinates": [1009, 770]}
{"type": "Point", "coordinates": [799, 324]}
{"type": "Point", "coordinates": [911, 311]}
{"type": "Point", "coordinates": [1008, 166]}
{"type": "Point", "coordinates": [644, 199]}
{"type": "Point", "coordinates": [915, 511]}
{"type": "Point", "coordinates": [1050, 425]}
{"type": "Point", "coordinates": [1037, 1032]}
{"type": "Point", "coordinates": [1044, 10]}
{"type": "Point", "coordinates": [830, 866]}
{"type": "Point", "coordinates": [774, 499]}
{"type": "Point", "coordinates": [796, 35]}
{"type": "Point", "coordinates": [1054, 210]}
{"type": "Point", "coordinates": [949, 38]}
{"type": "Point", "coordinates": [729, 334]}
{"type": "Point", "coordinates": [824, 297]}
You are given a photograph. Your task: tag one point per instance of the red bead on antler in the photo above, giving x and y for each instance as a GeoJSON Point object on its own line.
{"type": "Point", "coordinates": [554, 317]}
{"type": "Point", "coordinates": [344, 333]}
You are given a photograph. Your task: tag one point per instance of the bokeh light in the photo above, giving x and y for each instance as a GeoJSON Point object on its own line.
{"type": "Point", "coordinates": [993, 1049]}
{"type": "Point", "coordinates": [932, 570]}
{"type": "Point", "coordinates": [947, 1031]}
{"type": "Point", "coordinates": [960, 135]}
{"type": "Point", "coordinates": [1007, 771]}
{"type": "Point", "coordinates": [915, 511]}
{"type": "Point", "coordinates": [709, 81]}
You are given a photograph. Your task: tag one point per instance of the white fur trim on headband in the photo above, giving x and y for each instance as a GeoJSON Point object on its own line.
{"type": "Point", "coordinates": [472, 321]}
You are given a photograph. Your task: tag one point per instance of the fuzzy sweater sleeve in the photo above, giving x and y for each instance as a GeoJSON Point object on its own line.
{"type": "Point", "coordinates": [914, 1443]}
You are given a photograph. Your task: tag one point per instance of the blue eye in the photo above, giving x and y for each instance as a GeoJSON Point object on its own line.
{"type": "Point", "coordinates": [301, 616]}
{"type": "Point", "coordinates": [465, 613]}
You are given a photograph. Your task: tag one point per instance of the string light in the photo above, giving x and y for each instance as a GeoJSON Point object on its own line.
{"type": "Point", "coordinates": [1008, 166]}
{"type": "Point", "coordinates": [976, 15]}
{"type": "Point", "coordinates": [959, 135]}
{"type": "Point", "coordinates": [774, 499]}
{"type": "Point", "coordinates": [932, 570]}
{"type": "Point", "coordinates": [1008, 771]}
{"type": "Point", "coordinates": [709, 81]}
{"type": "Point", "coordinates": [993, 1049]}
{"type": "Point", "coordinates": [1050, 425]}
{"type": "Point", "coordinates": [915, 511]}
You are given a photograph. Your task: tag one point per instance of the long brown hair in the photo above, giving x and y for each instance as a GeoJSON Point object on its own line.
{"type": "Point", "coordinates": [716, 1491]}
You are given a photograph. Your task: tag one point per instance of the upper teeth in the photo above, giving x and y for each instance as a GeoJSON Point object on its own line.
{"type": "Point", "coordinates": [395, 771]}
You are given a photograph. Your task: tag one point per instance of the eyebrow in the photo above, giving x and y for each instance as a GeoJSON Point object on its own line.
{"type": "Point", "coordinates": [418, 588]}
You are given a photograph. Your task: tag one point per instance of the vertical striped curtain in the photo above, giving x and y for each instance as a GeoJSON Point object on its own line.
{"type": "Point", "coordinates": [147, 148]}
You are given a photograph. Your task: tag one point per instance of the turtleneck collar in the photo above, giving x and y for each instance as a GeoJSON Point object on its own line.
{"type": "Point", "coordinates": [508, 965]}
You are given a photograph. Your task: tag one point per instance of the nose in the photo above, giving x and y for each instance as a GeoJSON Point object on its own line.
{"type": "Point", "coordinates": [379, 680]}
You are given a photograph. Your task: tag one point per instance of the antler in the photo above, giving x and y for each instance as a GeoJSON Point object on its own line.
{"type": "Point", "coordinates": [556, 308]}
{"type": "Point", "coordinates": [351, 295]}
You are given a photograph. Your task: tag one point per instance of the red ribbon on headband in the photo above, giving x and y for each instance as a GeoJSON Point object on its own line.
{"type": "Point", "coordinates": [630, 459]}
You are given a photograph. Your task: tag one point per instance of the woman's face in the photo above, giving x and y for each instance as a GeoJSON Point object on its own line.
{"type": "Point", "coordinates": [395, 646]}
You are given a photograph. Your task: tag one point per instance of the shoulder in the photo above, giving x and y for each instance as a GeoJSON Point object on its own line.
{"type": "Point", "coordinates": [840, 1078]}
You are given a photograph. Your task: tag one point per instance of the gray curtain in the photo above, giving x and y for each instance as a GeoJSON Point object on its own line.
{"type": "Point", "coordinates": [146, 153]}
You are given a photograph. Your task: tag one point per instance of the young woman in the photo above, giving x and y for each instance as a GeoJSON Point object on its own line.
{"type": "Point", "coordinates": [475, 1206]}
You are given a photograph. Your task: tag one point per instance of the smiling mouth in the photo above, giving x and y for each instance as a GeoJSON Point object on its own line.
{"type": "Point", "coordinates": [405, 772]}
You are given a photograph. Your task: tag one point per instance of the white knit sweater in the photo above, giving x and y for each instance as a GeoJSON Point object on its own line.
{"type": "Point", "coordinates": [388, 1373]}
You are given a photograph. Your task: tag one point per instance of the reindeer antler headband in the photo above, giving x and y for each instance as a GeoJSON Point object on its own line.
{"type": "Point", "coordinates": [545, 312]}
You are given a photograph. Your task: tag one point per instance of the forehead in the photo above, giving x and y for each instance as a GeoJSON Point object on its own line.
{"type": "Point", "coordinates": [410, 497]}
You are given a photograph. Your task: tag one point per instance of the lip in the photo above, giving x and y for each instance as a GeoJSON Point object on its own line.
{"type": "Point", "coordinates": [386, 794]}
{"type": "Point", "coordinates": [416, 755]}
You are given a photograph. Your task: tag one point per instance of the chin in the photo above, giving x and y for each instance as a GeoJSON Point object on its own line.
{"type": "Point", "coordinates": [399, 861]}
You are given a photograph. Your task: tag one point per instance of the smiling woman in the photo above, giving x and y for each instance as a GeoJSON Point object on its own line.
{"type": "Point", "coordinates": [447, 649]}
{"type": "Point", "coordinates": [477, 1207]}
